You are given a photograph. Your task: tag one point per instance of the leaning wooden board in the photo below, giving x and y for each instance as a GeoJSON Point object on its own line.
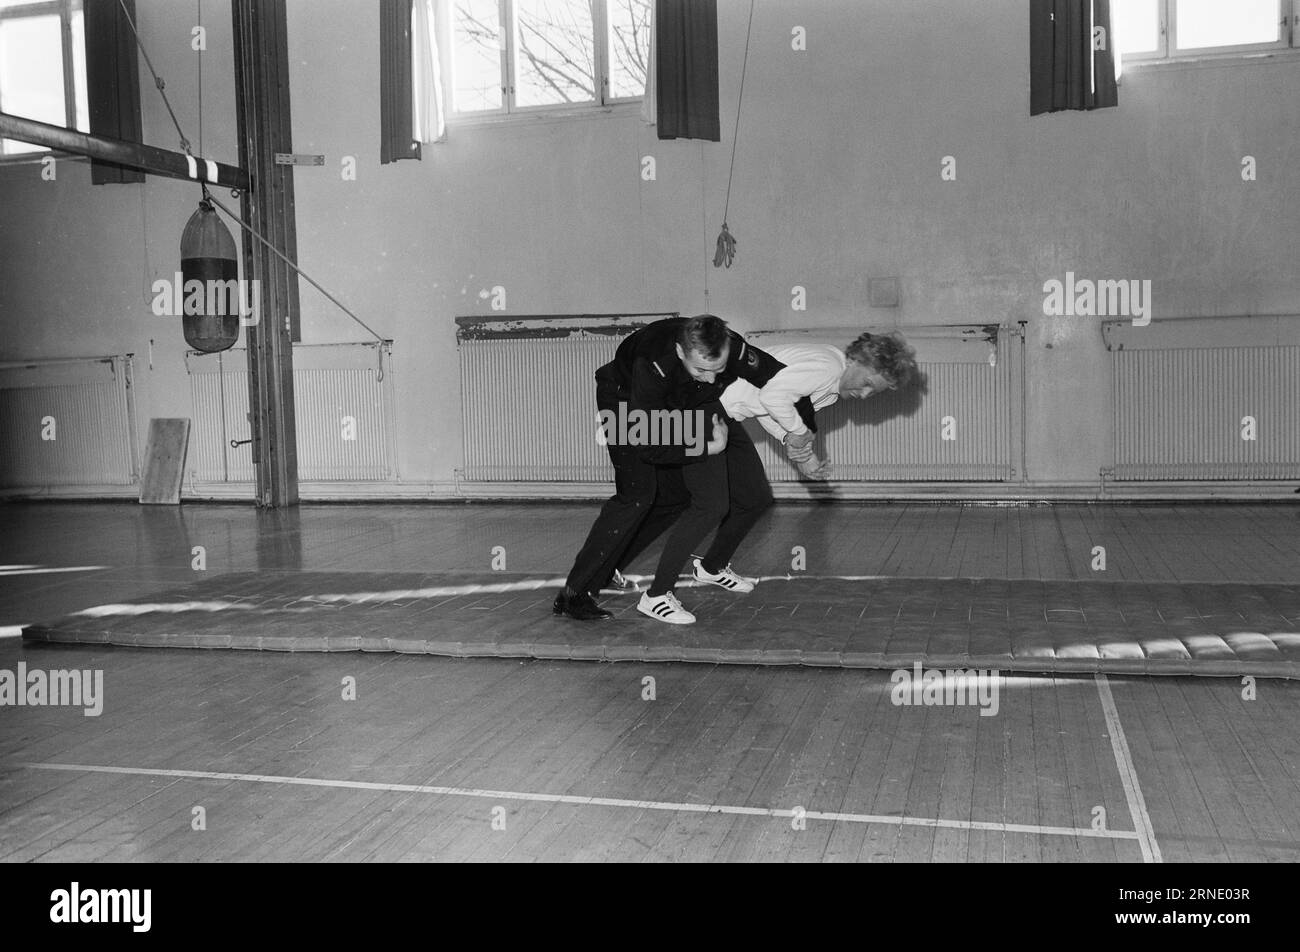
{"type": "Point", "coordinates": [164, 461]}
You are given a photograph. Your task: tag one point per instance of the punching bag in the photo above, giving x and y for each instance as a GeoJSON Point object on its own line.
{"type": "Point", "coordinates": [212, 306]}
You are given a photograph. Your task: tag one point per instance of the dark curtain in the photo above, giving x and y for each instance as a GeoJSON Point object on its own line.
{"type": "Point", "coordinates": [1065, 72]}
{"type": "Point", "coordinates": [686, 58]}
{"type": "Point", "coordinates": [112, 83]}
{"type": "Point", "coordinates": [395, 124]}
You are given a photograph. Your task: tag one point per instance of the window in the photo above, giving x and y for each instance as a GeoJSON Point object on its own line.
{"type": "Point", "coordinates": [519, 56]}
{"type": "Point", "coordinates": [1178, 29]}
{"type": "Point", "coordinates": [42, 66]}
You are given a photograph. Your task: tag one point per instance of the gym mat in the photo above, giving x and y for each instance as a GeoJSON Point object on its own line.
{"type": "Point", "coordinates": [1011, 625]}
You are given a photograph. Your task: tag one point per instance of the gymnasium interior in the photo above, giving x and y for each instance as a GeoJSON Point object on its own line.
{"type": "Point", "coordinates": [276, 584]}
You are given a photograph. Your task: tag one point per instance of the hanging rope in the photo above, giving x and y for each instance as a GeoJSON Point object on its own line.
{"type": "Point", "coordinates": [200, 52]}
{"type": "Point", "coordinates": [157, 80]}
{"type": "Point", "coordinates": [301, 273]}
{"type": "Point", "coordinates": [207, 197]}
{"type": "Point", "coordinates": [726, 251]}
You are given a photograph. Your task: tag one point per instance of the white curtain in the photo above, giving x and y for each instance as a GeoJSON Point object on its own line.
{"type": "Point", "coordinates": [650, 102]}
{"type": "Point", "coordinates": [428, 120]}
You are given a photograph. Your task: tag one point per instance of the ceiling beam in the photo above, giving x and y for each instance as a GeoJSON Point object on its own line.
{"type": "Point", "coordinates": [133, 155]}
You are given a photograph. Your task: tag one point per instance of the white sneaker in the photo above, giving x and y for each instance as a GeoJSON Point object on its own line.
{"type": "Point", "coordinates": [620, 584]}
{"type": "Point", "coordinates": [725, 579]}
{"type": "Point", "coordinates": [665, 608]}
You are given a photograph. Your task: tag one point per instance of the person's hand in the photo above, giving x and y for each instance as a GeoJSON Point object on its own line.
{"type": "Point", "coordinates": [816, 469]}
{"type": "Point", "coordinates": [799, 447]}
{"type": "Point", "coordinates": [719, 441]}
{"type": "Point", "coordinates": [800, 441]}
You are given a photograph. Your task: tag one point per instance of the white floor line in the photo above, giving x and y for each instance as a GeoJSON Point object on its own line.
{"type": "Point", "coordinates": [599, 801]}
{"type": "Point", "coordinates": [452, 591]}
{"type": "Point", "coordinates": [394, 595]}
{"type": "Point", "coordinates": [1137, 805]}
{"type": "Point", "coordinates": [40, 570]}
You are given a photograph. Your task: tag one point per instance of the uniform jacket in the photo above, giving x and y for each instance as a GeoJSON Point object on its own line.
{"type": "Point", "coordinates": [647, 373]}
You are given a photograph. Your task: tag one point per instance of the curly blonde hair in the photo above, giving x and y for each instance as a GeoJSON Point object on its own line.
{"type": "Point", "coordinates": [889, 354]}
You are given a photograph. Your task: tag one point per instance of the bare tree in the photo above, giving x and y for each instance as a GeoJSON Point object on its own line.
{"type": "Point", "coordinates": [555, 46]}
{"type": "Point", "coordinates": [631, 41]}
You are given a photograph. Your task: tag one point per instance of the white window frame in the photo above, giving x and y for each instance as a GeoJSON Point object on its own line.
{"type": "Point", "coordinates": [604, 56]}
{"type": "Point", "coordinates": [508, 58]}
{"type": "Point", "coordinates": [1168, 51]}
{"type": "Point", "coordinates": [64, 9]}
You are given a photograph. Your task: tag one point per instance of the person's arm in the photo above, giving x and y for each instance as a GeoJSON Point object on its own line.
{"type": "Point", "coordinates": [796, 383]}
{"type": "Point", "coordinates": [779, 397]}
{"type": "Point", "coordinates": [774, 429]}
{"type": "Point", "coordinates": [798, 446]}
{"type": "Point", "coordinates": [782, 397]}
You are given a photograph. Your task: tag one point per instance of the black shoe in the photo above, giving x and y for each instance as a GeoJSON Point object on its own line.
{"type": "Point", "coordinates": [580, 606]}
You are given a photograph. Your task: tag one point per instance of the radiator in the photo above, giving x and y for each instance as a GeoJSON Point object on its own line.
{"type": "Point", "coordinates": [1179, 412]}
{"type": "Point", "coordinates": [85, 405]}
{"type": "Point", "coordinates": [884, 438]}
{"type": "Point", "coordinates": [343, 415]}
{"type": "Point", "coordinates": [530, 414]}
{"type": "Point", "coordinates": [530, 409]}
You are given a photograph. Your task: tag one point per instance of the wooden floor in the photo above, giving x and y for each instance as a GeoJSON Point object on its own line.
{"type": "Point", "coordinates": [494, 759]}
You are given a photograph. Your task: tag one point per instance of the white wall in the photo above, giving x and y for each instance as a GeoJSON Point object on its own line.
{"type": "Point", "coordinates": [837, 180]}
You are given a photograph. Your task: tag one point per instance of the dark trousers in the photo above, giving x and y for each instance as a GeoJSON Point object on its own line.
{"type": "Point", "coordinates": [728, 491]}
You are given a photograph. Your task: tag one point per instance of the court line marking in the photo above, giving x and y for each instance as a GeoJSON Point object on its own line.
{"type": "Point", "coordinates": [389, 595]}
{"type": "Point", "coordinates": [1137, 804]}
{"type": "Point", "coordinates": [456, 591]}
{"type": "Point", "coordinates": [401, 594]}
{"type": "Point", "coordinates": [45, 570]}
{"type": "Point", "coordinates": [598, 801]}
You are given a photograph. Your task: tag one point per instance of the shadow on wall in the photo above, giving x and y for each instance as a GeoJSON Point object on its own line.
{"type": "Point", "coordinates": [873, 411]}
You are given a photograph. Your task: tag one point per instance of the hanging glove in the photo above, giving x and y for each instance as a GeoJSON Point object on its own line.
{"type": "Point", "coordinates": [726, 251]}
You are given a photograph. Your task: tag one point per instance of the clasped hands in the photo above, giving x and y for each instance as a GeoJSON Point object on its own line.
{"type": "Point", "coordinates": [799, 450]}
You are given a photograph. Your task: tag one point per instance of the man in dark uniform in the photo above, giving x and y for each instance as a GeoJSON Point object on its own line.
{"type": "Point", "coordinates": [679, 365]}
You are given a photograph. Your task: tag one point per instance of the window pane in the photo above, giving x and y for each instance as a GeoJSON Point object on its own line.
{"type": "Point", "coordinates": [31, 73]}
{"type": "Point", "coordinates": [629, 47]}
{"type": "Point", "coordinates": [1203, 23]}
{"type": "Point", "coordinates": [1136, 25]}
{"type": "Point", "coordinates": [555, 49]}
{"type": "Point", "coordinates": [476, 55]}
{"type": "Point", "coordinates": [79, 69]}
